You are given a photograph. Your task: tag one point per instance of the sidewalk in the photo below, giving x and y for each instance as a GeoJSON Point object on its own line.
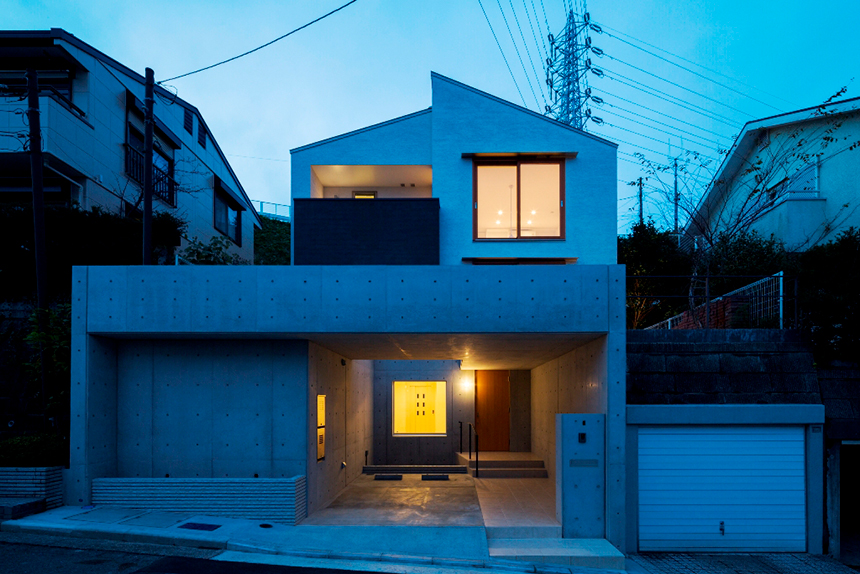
{"type": "Point", "coordinates": [374, 548]}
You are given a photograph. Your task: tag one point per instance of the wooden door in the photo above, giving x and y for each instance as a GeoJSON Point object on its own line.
{"type": "Point", "coordinates": [493, 409]}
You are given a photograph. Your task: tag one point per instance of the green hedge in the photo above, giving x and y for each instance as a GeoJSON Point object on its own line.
{"type": "Point", "coordinates": [34, 450]}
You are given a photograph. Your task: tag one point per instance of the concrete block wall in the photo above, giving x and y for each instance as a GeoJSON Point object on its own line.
{"type": "Point", "coordinates": [390, 449]}
{"type": "Point", "coordinates": [33, 482]}
{"type": "Point", "coordinates": [347, 386]}
{"type": "Point", "coordinates": [756, 366]}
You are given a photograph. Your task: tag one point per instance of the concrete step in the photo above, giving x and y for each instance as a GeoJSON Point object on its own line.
{"type": "Point", "coordinates": [523, 531]}
{"type": "Point", "coordinates": [509, 472]}
{"type": "Point", "coordinates": [578, 552]}
{"type": "Point", "coordinates": [414, 469]}
{"type": "Point", "coordinates": [533, 463]}
{"type": "Point", "coordinates": [13, 508]}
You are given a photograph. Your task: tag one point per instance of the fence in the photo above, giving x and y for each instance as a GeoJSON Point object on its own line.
{"type": "Point", "coordinates": [763, 303]}
{"type": "Point", "coordinates": [280, 211]}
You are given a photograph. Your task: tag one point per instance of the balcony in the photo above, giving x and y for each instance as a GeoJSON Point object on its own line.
{"type": "Point", "coordinates": [163, 186]}
{"type": "Point", "coordinates": [395, 231]}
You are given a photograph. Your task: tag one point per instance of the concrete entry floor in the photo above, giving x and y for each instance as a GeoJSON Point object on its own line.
{"type": "Point", "coordinates": [518, 507]}
{"type": "Point", "coordinates": [407, 502]}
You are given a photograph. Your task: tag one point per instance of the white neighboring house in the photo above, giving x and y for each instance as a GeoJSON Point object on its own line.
{"type": "Point", "coordinates": [92, 138]}
{"type": "Point", "coordinates": [791, 176]}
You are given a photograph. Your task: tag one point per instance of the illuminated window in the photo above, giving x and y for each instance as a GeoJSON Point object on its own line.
{"type": "Point", "coordinates": [519, 200]}
{"type": "Point", "coordinates": [320, 427]}
{"type": "Point", "coordinates": [419, 407]}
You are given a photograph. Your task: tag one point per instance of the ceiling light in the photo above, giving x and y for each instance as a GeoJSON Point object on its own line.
{"type": "Point", "coordinates": [529, 221]}
{"type": "Point", "coordinates": [500, 212]}
{"type": "Point", "coordinates": [498, 222]}
{"type": "Point", "coordinates": [533, 212]}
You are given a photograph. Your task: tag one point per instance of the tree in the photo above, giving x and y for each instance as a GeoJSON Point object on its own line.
{"type": "Point", "coordinates": [216, 252]}
{"type": "Point", "coordinates": [648, 254]}
{"type": "Point", "coordinates": [272, 242]}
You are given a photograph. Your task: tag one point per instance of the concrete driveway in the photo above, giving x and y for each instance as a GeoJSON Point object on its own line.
{"type": "Point", "coordinates": [765, 563]}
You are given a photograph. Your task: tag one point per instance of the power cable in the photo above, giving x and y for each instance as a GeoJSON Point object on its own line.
{"type": "Point", "coordinates": [677, 85]}
{"type": "Point", "coordinates": [517, 50]}
{"type": "Point", "coordinates": [261, 47]}
{"type": "Point", "coordinates": [545, 53]}
{"type": "Point", "coordinates": [674, 100]}
{"type": "Point", "coordinates": [695, 73]}
{"type": "Point", "coordinates": [695, 63]}
{"type": "Point", "coordinates": [528, 53]}
{"type": "Point", "coordinates": [656, 112]}
{"type": "Point", "coordinates": [648, 137]}
{"type": "Point", "coordinates": [691, 134]}
{"type": "Point", "coordinates": [503, 54]}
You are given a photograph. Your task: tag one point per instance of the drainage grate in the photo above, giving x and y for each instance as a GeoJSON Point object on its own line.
{"type": "Point", "coordinates": [434, 477]}
{"type": "Point", "coordinates": [387, 477]}
{"type": "Point", "coordinates": [199, 526]}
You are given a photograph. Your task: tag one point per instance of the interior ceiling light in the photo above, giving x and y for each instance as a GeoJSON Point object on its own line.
{"type": "Point", "coordinates": [533, 212]}
{"type": "Point", "coordinates": [500, 212]}
{"type": "Point", "coordinates": [498, 222]}
{"type": "Point", "coordinates": [529, 222]}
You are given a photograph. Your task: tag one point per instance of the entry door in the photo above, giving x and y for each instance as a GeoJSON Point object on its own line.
{"type": "Point", "coordinates": [421, 405]}
{"type": "Point", "coordinates": [493, 409]}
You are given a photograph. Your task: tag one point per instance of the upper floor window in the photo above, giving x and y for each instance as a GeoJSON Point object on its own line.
{"type": "Point", "coordinates": [201, 135]}
{"type": "Point", "coordinates": [518, 200]}
{"type": "Point", "coordinates": [228, 218]}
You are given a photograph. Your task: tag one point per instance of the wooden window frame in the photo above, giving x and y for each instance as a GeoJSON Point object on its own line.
{"type": "Point", "coordinates": [518, 162]}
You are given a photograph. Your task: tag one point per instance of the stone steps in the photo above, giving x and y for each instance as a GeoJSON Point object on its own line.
{"type": "Point", "coordinates": [578, 552]}
{"type": "Point", "coordinates": [521, 468]}
{"type": "Point", "coordinates": [414, 469]}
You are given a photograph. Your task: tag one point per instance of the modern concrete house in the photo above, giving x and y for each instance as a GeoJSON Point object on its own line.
{"type": "Point", "coordinates": [455, 266]}
{"type": "Point", "coordinates": [92, 116]}
{"type": "Point", "coordinates": [790, 176]}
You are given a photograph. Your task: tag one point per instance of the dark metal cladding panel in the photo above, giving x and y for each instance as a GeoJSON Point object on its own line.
{"type": "Point", "coordinates": [366, 231]}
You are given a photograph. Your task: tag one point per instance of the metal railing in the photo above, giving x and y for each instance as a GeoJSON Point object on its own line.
{"type": "Point", "coordinates": [763, 303]}
{"type": "Point", "coordinates": [477, 461]}
{"type": "Point", "coordinates": [280, 211]}
{"type": "Point", "coordinates": [163, 186]}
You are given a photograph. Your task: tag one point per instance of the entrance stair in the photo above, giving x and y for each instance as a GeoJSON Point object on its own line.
{"type": "Point", "coordinates": [503, 465]}
{"type": "Point", "coordinates": [414, 469]}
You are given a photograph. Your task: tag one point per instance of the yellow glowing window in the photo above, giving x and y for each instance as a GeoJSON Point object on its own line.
{"type": "Point", "coordinates": [419, 407]}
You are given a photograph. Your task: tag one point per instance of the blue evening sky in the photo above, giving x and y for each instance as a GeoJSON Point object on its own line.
{"type": "Point", "coordinates": [372, 62]}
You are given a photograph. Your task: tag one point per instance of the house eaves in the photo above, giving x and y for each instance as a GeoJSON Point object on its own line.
{"type": "Point", "coordinates": [747, 138]}
{"type": "Point", "coordinates": [361, 130]}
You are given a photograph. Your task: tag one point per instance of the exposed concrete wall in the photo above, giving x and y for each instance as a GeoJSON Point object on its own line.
{"type": "Point", "coordinates": [389, 449]}
{"type": "Point", "coordinates": [840, 393]}
{"type": "Point", "coordinates": [521, 411]}
{"type": "Point", "coordinates": [349, 412]}
{"type": "Point", "coordinates": [573, 383]}
{"type": "Point", "coordinates": [211, 409]}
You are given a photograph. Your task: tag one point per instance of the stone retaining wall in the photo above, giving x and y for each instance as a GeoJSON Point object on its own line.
{"type": "Point", "coordinates": [33, 482]}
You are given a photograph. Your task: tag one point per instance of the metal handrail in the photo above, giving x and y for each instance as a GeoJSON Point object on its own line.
{"type": "Point", "coordinates": [477, 460]}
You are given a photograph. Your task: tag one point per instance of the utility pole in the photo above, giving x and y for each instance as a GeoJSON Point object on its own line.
{"type": "Point", "coordinates": [566, 70]}
{"type": "Point", "coordinates": [641, 207]}
{"type": "Point", "coordinates": [33, 115]}
{"type": "Point", "coordinates": [147, 168]}
{"type": "Point", "coordinates": [677, 199]}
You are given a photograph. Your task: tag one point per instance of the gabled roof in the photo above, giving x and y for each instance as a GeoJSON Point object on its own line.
{"type": "Point", "coordinates": [437, 76]}
{"type": "Point", "coordinates": [62, 35]}
{"type": "Point", "coordinates": [749, 135]}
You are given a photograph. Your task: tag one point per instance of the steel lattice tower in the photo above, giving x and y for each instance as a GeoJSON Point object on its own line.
{"type": "Point", "coordinates": [566, 71]}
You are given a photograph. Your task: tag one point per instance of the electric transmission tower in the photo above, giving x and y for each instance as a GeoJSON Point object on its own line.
{"type": "Point", "coordinates": [566, 70]}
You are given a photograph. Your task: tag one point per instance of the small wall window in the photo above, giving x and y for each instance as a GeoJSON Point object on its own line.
{"type": "Point", "coordinates": [364, 195]}
{"type": "Point", "coordinates": [228, 219]}
{"type": "Point", "coordinates": [519, 200]}
{"type": "Point", "coordinates": [320, 427]}
{"type": "Point", "coordinates": [419, 407]}
{"type": "Point", "coordinates": [188, 121]}
{"type": "Point", "coordinates": [201, 135]}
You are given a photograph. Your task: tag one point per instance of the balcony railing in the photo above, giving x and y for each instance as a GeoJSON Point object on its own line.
{"type": "Point", "coordinates": [366, 231]}
{"type": "Point", "coordinates": [163, 186]}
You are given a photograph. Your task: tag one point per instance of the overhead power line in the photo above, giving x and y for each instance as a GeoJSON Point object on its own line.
{"type": "Point", "coordinates": [691, 134]}
{"type": "Point", "coordinates": [261, 47]}
{"type": "Point", "coordinates": [677, 85]}
{"type": "Point", "coordinates": [528, 53]}
{"type": "Point", "coordinates": [692, 62]}
{"type": "Point", "coordinates": [693, 72]}
{"type": "Point", "coordinates": [517, 49]}
{"type": "Point", "coordinates": [505, 58]}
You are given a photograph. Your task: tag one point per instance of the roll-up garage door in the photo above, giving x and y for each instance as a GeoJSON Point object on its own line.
{"type": "Point", "coordinates": [706, 488]}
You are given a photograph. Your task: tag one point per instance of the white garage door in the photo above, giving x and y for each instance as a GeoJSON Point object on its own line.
{"type": "Point", "coordinates": [722, 488]}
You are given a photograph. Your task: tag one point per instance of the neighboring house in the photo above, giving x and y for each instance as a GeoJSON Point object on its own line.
{"type": "Point", "coordinates": [791, 176]}
{"type": "Point", "coordinates": [92, 118]}
{"type": "Point", "coordinates": [462, 257]}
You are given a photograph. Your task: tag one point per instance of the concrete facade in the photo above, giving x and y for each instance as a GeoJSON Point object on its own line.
{"type": "Point", "coordinates": [270, 340]}
{"type": "Point", "coordinates": [85, 138]}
